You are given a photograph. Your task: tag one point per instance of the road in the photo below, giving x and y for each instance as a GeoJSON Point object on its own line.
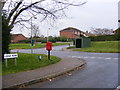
{"type": "Point", "coordinates": [101, 70]}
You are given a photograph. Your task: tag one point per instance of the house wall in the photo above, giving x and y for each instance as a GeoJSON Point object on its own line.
{"type": "Point", "coordinates": [68, 34]}
{"type": "Point", "coordinates": [74, 33]}
{"type": "Point", "coordinates": [18, 38]}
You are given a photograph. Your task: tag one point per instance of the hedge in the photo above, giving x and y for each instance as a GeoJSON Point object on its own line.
{"type": "Point", "coordinates": [104, 38]}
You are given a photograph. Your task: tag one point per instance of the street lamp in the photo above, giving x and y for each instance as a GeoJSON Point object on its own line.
{"type": "Point", "coordinates": [31, 35]}
{"type": "Point", "coordinates": [47, 34]}
{"type": "Point", "coordinates": [31, 38]}
{"type": "Point", "coordinates": [32, 41]}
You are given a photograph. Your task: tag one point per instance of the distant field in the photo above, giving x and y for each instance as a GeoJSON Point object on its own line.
{"type": "Point", "coordinates": [102, 46]}
{"type": "Point", "coordinates": [28, 46]}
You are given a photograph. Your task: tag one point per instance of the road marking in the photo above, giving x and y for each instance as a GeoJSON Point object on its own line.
{"type": "Point", "coordinates": [78, 57]}
{"type": "Point", "coordinates": [73, 56]}
{"type": "Point", "coordinates": [115, 58]}
{"type": "Point", "coordinates": [108, 58]}
{"type": "Point", "coordinates": [93, 57]}
{"type": "Point", "coordinates": [85, 57]}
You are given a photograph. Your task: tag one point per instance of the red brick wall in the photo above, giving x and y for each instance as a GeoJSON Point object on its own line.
{"type": "Point", "coordinates": [68, 34]}
{"type": "Point", "coordinates": [73, 33]}
{"type": "Point", "coordinates": [18, 38]}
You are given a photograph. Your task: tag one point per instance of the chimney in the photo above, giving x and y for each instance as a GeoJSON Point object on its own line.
{"type": "Point", "coordinates": [87, 32]}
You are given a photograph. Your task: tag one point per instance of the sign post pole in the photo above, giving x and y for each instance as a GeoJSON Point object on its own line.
{"type": "Point", "coordinates": [15, 62]}
{"type": "Point", "coordinates": [6, 63]}
{"type": "Point", "coordinates": [8, 56]}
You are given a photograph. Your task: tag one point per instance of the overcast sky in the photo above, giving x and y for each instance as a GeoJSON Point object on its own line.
{"type": "Point", "coordinates": [95, 13]}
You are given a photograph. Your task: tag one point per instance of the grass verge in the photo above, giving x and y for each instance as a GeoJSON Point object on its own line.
{"type": "Point", "coordinates": [27, 62]}
{"type": "Point", "coordinates": [71, 47]}
{"type": "Point", "coordinates": [28, 45]}
{"type": "Point", "coordinates": [102, 47]}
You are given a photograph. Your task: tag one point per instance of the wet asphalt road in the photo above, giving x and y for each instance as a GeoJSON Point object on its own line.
{"type": "Point", "coordinates": [101, 70]}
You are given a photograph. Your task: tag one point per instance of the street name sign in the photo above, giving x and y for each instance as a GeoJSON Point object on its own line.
{"type": "Point", "coordinates": [6, 56]}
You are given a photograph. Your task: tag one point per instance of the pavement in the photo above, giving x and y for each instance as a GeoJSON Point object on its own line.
{"type": "Point", "coordinates": [22, 79]}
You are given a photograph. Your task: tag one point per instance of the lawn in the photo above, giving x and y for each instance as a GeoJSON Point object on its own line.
{"type": "Point", "coordinates": [27, 62]}
{"type": "Point", "coordinates": [28, 46]}
{"type": "Point", "coordinates": [102, 46]}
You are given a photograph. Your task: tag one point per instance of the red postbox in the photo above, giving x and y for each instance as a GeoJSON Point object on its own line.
{"type": "Point", "coordinates": [49, 46]}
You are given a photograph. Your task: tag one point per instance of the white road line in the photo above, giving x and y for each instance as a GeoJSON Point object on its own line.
{"type": "Point", "coordinates": [85, 57]}
{"type": "Point", "coordinates": [92, 57]}
{"type": "Point", "coordinates": [108, 58]}
{"type": "Point", "coordinates": [78, 57]}
{"type": "Point", "coordinates": [115, 58]}
{"type": "Point", "coordinates": [73, 56]}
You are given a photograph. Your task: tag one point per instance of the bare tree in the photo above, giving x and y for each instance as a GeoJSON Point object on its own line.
{"type": "Point", "coordinates": [101, 31]}
{"type": "Point", "coordinates": [36, 31]}
{"type": "Point", "coordinates": [21, 11]}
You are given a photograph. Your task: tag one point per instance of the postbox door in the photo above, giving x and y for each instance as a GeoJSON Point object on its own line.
{"type": "Point", "coordinates": [49, 46]}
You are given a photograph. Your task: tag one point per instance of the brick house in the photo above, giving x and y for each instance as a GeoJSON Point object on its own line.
{"type": "Point", "coordinates": [116, 31]}
{"type": "Point", "coordinates": [73, 33]}
{"type": "Point", "coordinates": [17, 37]}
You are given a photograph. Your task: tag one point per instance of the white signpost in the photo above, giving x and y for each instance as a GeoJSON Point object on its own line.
{"type": "Point", "coordinates": [7, 56]}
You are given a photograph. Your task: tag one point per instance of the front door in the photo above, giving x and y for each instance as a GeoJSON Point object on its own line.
{"type": "Point", "coordinates": [78, 43]}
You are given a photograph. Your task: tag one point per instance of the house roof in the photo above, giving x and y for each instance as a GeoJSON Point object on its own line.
{"type": "Point", "coordinates": [74, 29]}
{"type": "Point", "coordinates": [70, 29]}
{"type": "Point", "coordinates": [115, 31]}
{"type": "Point", "coordinates": [15, 35]}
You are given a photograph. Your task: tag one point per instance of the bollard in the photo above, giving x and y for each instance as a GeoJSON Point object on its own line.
{"type": "Point", "coordinates": [40, 58]}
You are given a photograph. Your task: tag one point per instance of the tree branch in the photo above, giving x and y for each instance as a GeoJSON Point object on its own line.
{"type": "Point", "coordinates": [13, 10]}
{"type": "Point", "coordinates": [71, 3]}
{"type": "Point", "coordinates": [17, 14]}
{"type": "Point", "coordinates": [21, 21]}
{"type": "Point", "coordinates": [46, 11]}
